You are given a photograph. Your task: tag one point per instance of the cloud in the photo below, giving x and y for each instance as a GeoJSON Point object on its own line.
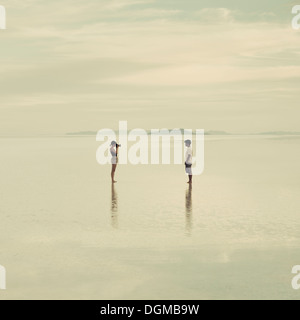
{"type": "Point", "coordinates": [163, 52]}
{"type": "Point", "coordinates": [192, 75]}
{"type": "Point", "coordinates": [215, 15]}
{"type": "Point", "coordinates": [95, 56]}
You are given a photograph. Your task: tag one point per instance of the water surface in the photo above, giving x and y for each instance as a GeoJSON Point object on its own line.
{"type": "Point", "coordinates": [66, 233]}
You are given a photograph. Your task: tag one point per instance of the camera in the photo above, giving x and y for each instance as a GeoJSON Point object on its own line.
{"type": "Point", "coordinates": [118, 145]}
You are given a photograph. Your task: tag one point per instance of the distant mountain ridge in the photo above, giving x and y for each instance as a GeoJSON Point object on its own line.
{"type": "Point", "coordinates": [281, 133]}
{"type": "Point", "coordinates": [208, 133]}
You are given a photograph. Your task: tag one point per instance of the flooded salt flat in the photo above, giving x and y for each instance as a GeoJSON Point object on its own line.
{"type": "Point", "coordinates": [67, 233]}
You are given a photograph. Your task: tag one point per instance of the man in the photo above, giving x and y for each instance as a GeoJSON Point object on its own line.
{"type": "Point", "coordinates": [189, 160]}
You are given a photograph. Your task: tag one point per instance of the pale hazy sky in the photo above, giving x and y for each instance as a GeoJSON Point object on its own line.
{"type": "Point", "coordinates": [83, 65]}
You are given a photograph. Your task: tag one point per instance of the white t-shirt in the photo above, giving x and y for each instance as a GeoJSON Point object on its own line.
{"type": "Point", "coordinates": [189, 152]}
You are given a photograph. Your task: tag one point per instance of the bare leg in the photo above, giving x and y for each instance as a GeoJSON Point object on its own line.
{"type": "Point", "coordinates": [190, 179]}
{"type": "Point", "coordinates": [113, 170]}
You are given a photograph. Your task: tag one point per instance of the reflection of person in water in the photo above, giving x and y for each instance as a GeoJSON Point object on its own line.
{"type": "Point", "coordinates": [114, 159]}
{"type": "Point", "coordinates": [114, 207]}
{"type": "Point", "coordinates": [188, 209]}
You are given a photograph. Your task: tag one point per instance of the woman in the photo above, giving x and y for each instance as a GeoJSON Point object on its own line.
{"type": "Point", "coordinates": [114, 159]}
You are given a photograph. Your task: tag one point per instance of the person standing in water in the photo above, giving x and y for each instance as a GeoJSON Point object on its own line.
{"type": "Point", "coordinates": [189, 160]}
{"type": "Point", "coordinates": [114, 159]}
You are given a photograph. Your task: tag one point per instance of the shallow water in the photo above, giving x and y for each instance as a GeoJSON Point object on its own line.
{"type": "Point", "coordinates": [65, 233]}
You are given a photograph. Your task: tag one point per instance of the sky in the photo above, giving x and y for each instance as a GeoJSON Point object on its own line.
{"type": "Point", "coordinates": [83, 65]}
